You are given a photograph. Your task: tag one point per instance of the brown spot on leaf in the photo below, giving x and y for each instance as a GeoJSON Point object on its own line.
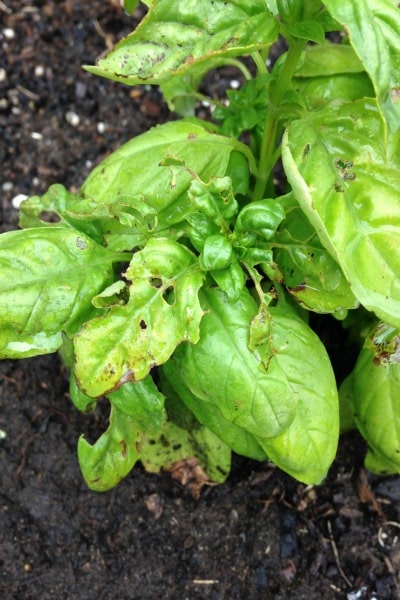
{"type": "Point", "coordinates": [123, 446]}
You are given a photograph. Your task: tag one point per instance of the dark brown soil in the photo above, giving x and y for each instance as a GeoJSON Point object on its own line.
{"type": "Point", "coordinates": [259, 536]}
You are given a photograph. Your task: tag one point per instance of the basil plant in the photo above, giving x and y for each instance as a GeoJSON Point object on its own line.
{"type": "Point", "coordinates": [184, 280]}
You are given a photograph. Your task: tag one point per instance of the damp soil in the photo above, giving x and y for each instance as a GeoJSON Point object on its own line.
{"type": "Point", "coordinates": [261, 534]}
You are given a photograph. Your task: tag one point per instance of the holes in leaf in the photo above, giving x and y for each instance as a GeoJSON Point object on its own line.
{"type": "Point", "coordinates": [143, 324]}
{"type": "Point", "coordinates": [169, 295]}
{"type": "Point", "coordinates": [156, 282]}
{"type": "Point", "coordinates": [49, 216]}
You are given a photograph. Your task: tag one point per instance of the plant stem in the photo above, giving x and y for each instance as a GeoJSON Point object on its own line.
{"type": "Point", "coordinates": [259, 62]}
{"type": "Point", "coordinates": [271, 126]}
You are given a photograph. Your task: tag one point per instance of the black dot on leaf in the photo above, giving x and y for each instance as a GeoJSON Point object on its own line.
{"type": "Point", "coordinates": [143, 324]}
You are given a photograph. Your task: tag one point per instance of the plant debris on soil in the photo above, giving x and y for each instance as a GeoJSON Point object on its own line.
{"type": "Point", "coordinates": [259, 535]}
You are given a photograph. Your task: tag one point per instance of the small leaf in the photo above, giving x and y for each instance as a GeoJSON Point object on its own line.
{"type": "Point", "coordinates": [162, 311]}
{"type": "Point", "coordinates": [105, 463]}
{"type": "Point", "coordinates": [308, 30]}
{"type": "Point", "coordinates": [80, 400]}
{"type": "Point", "coordinates": [130, 5]}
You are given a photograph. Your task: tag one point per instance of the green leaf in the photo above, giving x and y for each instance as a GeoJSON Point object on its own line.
{"type": "Point", "coordinates": [317, 92]}
{"type": "Point", "coordinates": [257, 399]}
{"type": "Point", "coordinates": [48, 278]}
{"type": "Point", "coordinates": [162, 311]}
{"type": "Point", "coordinates": [375, 401]}
{"type": "Point", "coordinates": [307, 447]}
{"type": "Point", "coordinates": [336, 162]}
{"type": "Point", "coordinates": [139, 190]}
{"type": "Point", "coordinates": [217, 253]}
{"type": "Point", "coordinates": [176, 444]}
{"type": "Point", "coordinates": [176, 37]}
{"type": "Point", "coordinates": [308, 30]}
{"type": "Point", "coordinates": [380, 464]}
{"type": "Point", "coordinates": [291, 407]}
{"type": "Point", "coordinates": [130, 5]}
{"type": "Point", "coordinates": [59, 207]}
{"type": "Point", "coordinates": [329, 59]}
{"type": "Point", "coordinates": [143, 402]}
{"type": "Point", "coordinates": [311, 275]}
{"type": "Point", "coordinates": [207, 413]}
{"type": "Point", "coordinates": [258, 222]}
{"type": "Point", "coordinates": [80, 400]}
{"type": "Point", "coordinates": [374, 32]}
{"type": "Point", "coordinates": [105, 463]}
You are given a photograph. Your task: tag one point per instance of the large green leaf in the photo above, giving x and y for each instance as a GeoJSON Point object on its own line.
{"type": "Point", "coordinates": [48, 279]}
{"type": "Point", "coordinates": [222, 370]}
{"type": "Point", "coordinates": [291, 407]}
{"type": "Point", "coordinates": [336, 162]}
{"type": "Point", "coordinates": [374, 31]}
{"type": "Point", "coordinates": [307, 447]}
{"type": "Point", "coordinates": [142, 187]}
{"type": "Point", "coordinates": [175, 37]}
{"type": "Point", "coordinates": [163, 310]}
{"type": "Point", "coordinates": [208, 413]}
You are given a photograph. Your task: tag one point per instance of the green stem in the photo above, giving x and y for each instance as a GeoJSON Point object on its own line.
{"type": "Point", "coordinates": [239, 65]}
{"type": "Point", "coordinates": [259, 62]}
{"type": "Point", "coordinates": [268, 153]}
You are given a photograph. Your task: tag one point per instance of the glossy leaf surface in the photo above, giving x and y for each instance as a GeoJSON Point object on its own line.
{"type": "Point", "coordinates": [335, 160]}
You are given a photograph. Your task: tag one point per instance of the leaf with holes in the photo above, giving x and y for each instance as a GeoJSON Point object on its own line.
{"type": "Point", "coordinates": [163, 310]}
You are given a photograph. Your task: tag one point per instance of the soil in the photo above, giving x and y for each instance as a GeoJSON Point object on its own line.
{"type": "Point", "coordinates": [261, 534]}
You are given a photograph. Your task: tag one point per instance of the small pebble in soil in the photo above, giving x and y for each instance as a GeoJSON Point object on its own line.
{"type": "Point", "coordinates": [72, 118]}
{"type": "Point", "coordinates": [17, 200]}
{"type": "Point", "coordinates": [7, 186]}
{"type": "Point", "coordinates": [101, 127]}
{"type": "Point", "coordinates": [35, 135]}
{"type": "Point", "coordinates": [9, 33]}
{"type": "Point", "coordinates": [3, 75]}
{"type": "Point", "coordinates": [39, 71]}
